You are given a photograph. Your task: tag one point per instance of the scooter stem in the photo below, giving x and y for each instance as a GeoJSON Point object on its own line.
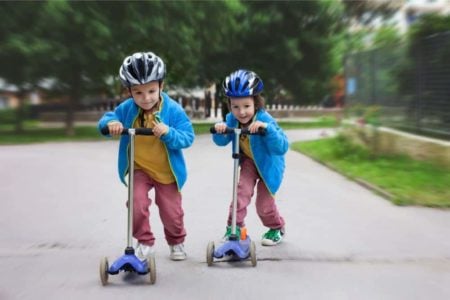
{"type": "Point", "coordinates": [237, 134]}
{"type": "Point", "coordinates": [132, 134]}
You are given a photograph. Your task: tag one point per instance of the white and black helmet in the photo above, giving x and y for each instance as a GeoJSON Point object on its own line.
{"type": "Point", "coordinates": [141, 68]}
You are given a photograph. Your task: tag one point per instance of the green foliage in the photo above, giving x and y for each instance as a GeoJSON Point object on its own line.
{"type": "Point", "coordinates": [7, 116]}
{"type": "Point", "coordinates": [81, 44]}
{"type": "Point", "coordinates": [386, 36]}
{"type": "Point", "coordinates": [365, 114]}
{"type": "Point", "coordinates": [428, 25]}
{"type": "Point", "coordinates": [322, 122]}
{"type": "Point", "coordinates": [411, 182]}
{"type": "Point", "coordinates": [290, 44]}
{"type": "Point", "coordinates": [365, 11]}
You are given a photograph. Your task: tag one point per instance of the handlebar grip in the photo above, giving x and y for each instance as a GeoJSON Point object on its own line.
{"type": "Point", "coordinates": [261, 131]}
{"type": "Point", "coordinates": [227, 130]}
{"type": "Point", "coordinates": [138, 131]}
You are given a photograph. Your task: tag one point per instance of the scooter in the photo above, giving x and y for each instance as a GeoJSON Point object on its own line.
{"type": "Point", "coordinates": [129, 262]}
{"type": "Point", "coordinates": [238, 247]}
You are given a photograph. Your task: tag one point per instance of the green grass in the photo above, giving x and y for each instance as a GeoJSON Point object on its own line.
{"type": "Point", "coordinates": [322, 122]}
{"type": "Point", "coordinates": [34, 134]}
{"type": "Point", "coordinates": [409, 181]}
{"type": "Point", "coordinates": [41, 135]}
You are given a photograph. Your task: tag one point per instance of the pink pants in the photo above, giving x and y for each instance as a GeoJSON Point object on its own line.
{"type": "Point", "coordinates": [265, 204]}
{"type": "Point", "coordinates": [168, 200]}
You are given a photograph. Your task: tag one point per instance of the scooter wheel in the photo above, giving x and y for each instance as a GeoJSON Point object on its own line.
{"type": "Point", "coordinates": [104, 266]}
{"type": "Point", "coordinates": [152, 269]}
{"type": "Point", "coordinates": [210, 253]}
{"type": "Point", "coordinates": [253, 253]}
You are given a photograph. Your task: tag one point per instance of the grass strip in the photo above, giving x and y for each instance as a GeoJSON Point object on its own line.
{"type": "Point", "coordinates": [408, 181]}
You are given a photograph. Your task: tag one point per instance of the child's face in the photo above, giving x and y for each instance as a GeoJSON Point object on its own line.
{"type": "Point", "coordinates": [243, 109]}
{"type": "Point", "coordinates": [146, 96]}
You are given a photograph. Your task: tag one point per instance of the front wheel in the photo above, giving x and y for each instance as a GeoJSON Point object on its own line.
{"type": "Point", "coordinates": [104, 266]}
{"type": "Point", "coordinates": [152, 269]}
{"type": "Point", "coordinates": [253, 253]}
{"type": "Point", "coordinates": [210, 253]}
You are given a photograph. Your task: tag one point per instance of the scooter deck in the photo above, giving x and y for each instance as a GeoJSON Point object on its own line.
{"type": "Point", "coordinates": [129, 263]}
{"type": "Point", "coordinates": [239, 249]}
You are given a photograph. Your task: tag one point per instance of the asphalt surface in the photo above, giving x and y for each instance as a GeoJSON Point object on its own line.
{"type": "Point", "coordinates": [63, 209]}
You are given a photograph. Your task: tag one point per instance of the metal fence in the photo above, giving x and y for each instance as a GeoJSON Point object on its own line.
{"type": "Point", "coordinates": [403, 86]}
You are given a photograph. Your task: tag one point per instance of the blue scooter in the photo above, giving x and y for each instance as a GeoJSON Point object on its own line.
{"type": "Point", "coordinates": [129, 262]}
{"type": "Point", "coordinates": [238, 247]}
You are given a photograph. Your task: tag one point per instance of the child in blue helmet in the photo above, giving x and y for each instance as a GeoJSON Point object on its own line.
{"type": "Point", "coordinates": [159, 162]}
{"type": "Point", "coordinates": [262, 156]}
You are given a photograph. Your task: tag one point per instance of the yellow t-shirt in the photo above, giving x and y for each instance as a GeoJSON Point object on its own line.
{"type": "Point", "coordinates": [150, 154]}
{"type": "Point", "coordinates": [244, 144]}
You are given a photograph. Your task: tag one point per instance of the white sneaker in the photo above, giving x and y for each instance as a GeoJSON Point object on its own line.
{"type": "Point", "coordinates": [177, 252]}
{"type": "Point", "coordinates": [144, 251]}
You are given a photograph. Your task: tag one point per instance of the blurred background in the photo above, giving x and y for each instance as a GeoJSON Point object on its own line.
{"type": "Point", "coordinates": [385, 62]}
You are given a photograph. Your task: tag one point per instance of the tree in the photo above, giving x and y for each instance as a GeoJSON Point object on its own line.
{"type": "Point", "coordinates": [18, 60]}
{"type": "Point", "coordinates": [290, 44]}
{"type": "Point", "coordinates": [364, 12]}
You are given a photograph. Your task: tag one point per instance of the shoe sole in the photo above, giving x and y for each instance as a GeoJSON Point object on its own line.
{"type": "Point", "coordinates": [270, 243]}
{"type": "Point", "coordinates": [178, 258]}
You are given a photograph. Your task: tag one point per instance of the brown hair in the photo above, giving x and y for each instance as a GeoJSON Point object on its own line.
{"type": "Point", "coordinates": [258, 100]}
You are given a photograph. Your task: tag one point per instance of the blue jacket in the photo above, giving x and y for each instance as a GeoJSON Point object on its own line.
{"type": "Point", "coordinates": [179, 136]}
{"type": "Point", "coordinates": [268, 150]}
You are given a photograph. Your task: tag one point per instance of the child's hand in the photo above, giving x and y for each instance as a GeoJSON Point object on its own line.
{"type": "Point", "coordinates": [220, 127]}
{"type": "Point", "coordinates": [159, 129]}
{"type": "Point", "coordinates": [115, 128]}
{"type": "Point", "coordinates": [253, 128]}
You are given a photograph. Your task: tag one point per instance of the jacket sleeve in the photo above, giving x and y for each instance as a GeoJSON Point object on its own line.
{"type": "Point", "coordinates": [181, 132]}
{"type": "Point", "coordinates": [115, 115]}
{"type": "Point", "coordinates": [275, 139]}
{"type": "Point", "coordinates": [224, 139]}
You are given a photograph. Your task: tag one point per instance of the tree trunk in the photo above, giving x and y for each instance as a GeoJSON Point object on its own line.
{"type": "Point", "coordinates": [20, 113]}
{"type": "Point", "coordinates": [70, 116]}
{"type": "Point", "coordinates": [74, 96]}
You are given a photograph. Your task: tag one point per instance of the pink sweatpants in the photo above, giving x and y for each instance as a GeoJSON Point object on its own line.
{"type": "Point", "coordinates": [265, 204]}
{"type": "Point", "coordinates": [168, 200]}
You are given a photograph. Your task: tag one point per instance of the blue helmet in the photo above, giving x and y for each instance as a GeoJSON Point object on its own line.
{"type": "Point", "coordinates": [242, 83]}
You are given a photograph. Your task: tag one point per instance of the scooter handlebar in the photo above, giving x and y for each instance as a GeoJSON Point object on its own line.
{"type": "Point", "coordinates": [261, 131]}
{"type": "Point", "coordinates": [138, 131]}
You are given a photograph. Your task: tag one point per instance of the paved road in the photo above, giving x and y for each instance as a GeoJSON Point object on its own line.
{"type": "Point", "coordinates": [63, 209]}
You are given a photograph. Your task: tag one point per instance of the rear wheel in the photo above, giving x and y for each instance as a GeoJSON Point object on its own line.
{"type": "Point", "coordinates": [104, 266]}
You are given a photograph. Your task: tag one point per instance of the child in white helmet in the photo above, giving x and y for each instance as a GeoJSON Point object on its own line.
{"type": "Point", "coordinates": [159, 162]}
